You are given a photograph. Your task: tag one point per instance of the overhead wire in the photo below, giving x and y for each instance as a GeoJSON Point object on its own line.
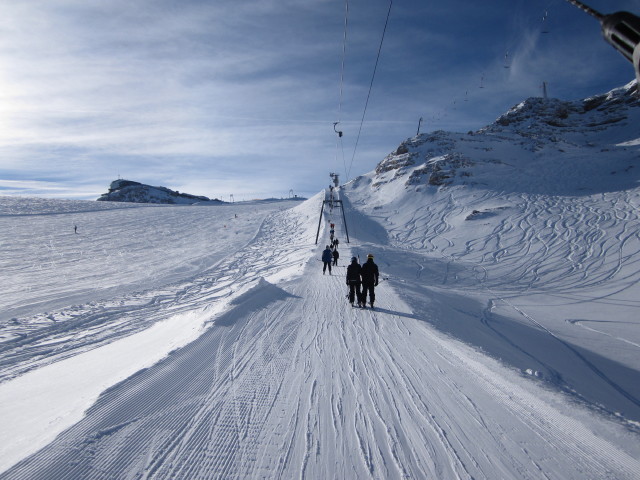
{"type": "Point", "coordinates": [344, 54]}
{"type": "Point", "coordinates": [339, 144]}
{"type": "Point", "coordinates": [370, 88]}
{"type": "Point", "coordinates": [487, 77]}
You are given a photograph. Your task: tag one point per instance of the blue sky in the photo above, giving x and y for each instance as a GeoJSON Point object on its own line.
{"type": "Point", "coordinates": [239, 97]}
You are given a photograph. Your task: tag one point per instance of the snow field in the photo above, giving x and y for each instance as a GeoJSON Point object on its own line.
{"type": "Point", "coordinates": [523, 278]}
{"type": "Point", "coordinates": [116, 251]}
{"type": "Point", "coordinates": [288, 380]}
{"type": "Point", "coordinates": [102, 328]}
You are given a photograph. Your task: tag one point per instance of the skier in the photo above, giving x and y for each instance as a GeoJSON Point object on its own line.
{"type": "Point", "coordinates": [335, 242]}
{"type": "Point", "coordinates": [354, 281]}
{"type": "Point", "coordinates": [370, 275]}
{"type": "Point", "coordinates": [336, 255]}
{"type": "Point", "coordinates": [327, 257]}
{"type": "Point", "coordinates": [75, 229]}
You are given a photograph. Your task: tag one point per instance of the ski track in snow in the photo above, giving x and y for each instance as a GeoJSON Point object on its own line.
{"type": "Point", "coordinates": [287, 382]}
{"type": "Point", "coordinates": [29, 343]}
{"type": "Point", "coordinates": [539, 262]}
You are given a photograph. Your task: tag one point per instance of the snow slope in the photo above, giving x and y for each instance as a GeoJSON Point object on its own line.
{"type": "Point", "coordinates": [530, 228]}
{"type": "Point", "coordinates": [52, 343]}
{"type": "Point", "coordinates": [504, 343]}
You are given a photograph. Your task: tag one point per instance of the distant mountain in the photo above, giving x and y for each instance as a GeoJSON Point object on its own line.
{"type": "Point", "coordinates": [544, 146]}
{"type": "Point", "coordinates": [129, 191]}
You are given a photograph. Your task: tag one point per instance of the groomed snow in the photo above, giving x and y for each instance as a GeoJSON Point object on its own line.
{"type": "Point", "coordinates": [256, 366]}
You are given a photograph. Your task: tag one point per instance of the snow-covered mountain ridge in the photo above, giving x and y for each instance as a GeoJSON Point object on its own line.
{"type": "Point", "coordinates": [129, 191]}
{"type": "Point", "coordinates": [537, 137]}
{"type": "Point", "coordinates": [537, 215]}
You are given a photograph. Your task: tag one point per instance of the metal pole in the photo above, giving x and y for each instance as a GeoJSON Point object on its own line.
{"type": "Point", "coordinates": [344, 220]}
{"type": "Point", "coordinates": [320, 221]}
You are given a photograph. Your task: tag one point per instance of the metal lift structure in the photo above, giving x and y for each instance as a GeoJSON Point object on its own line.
{"type": "Point", "coordinates": [333, 202]}
{"type": "Point", "coordinates": [621, 30]}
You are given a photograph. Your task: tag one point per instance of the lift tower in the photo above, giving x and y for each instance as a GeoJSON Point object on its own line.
{"type": "Point", "coordinates": [336, 180]}
{"type": "Point", "coordinates": [332, 199]}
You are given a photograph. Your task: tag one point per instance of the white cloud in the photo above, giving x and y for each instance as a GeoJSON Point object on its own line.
{"type": "Point", "coordinates": [180, 91]}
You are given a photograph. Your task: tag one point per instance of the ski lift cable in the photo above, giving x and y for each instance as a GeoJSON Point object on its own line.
{"type": "Point", "coordinates": [341, 89]}
{"type": "Point", "coordinates": [344, 163]}
{"type": "Point", "coordinates": [475, 87]}
{"type": "Point", "coordinates": [344, 54]}
{"type": "Point", "coordinates": [370, 88]}
{"type": "Point", "coordinates": [340, 147]}
{"type": "Point", "coordinates": [546, 17]}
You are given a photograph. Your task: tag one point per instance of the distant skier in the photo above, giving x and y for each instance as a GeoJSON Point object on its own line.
{"type": "Point", "coordinates": [370, 276]}
{"type": "Point", "coordinates": [354, 281]}
{"type": "Point", "coordinates": [75, 229]}
{"type": "Point", "coordinates": [336, 255]}
{"type": "Point", "coordinates": [327, 258]}
{"type": "Point", "coordinates": [335, 242]}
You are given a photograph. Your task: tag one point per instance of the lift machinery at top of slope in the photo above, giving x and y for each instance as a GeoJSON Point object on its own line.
{"type": "Point", "coordinates": [333, 203]}
{"type": "Point", "coordinates": [621, 30]}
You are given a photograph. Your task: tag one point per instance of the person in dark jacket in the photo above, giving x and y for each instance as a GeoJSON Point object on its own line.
{"type": "Point", "coordinates": [370, 274]}
{"type": "Point", "coordinates": [327, 258]}
{"type": "Point", "coordinates": [336, 255]}
{"type": "Point", "coordinates": [354, 281]}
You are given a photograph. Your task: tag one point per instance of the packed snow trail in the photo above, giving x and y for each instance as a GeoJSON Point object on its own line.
{"type": "Point", "coordinates": [294, 382]}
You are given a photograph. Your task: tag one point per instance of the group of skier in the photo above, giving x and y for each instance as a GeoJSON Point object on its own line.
{"type": "Point", "coordinates": [330, 254]}
{"type": "Point", "coordinates": [366, 275]}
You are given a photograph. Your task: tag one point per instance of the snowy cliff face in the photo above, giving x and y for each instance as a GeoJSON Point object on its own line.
{"type": "Point", "coordinates": [563, 142]}
{"type": "Point", "coordinates": [130, 191]}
